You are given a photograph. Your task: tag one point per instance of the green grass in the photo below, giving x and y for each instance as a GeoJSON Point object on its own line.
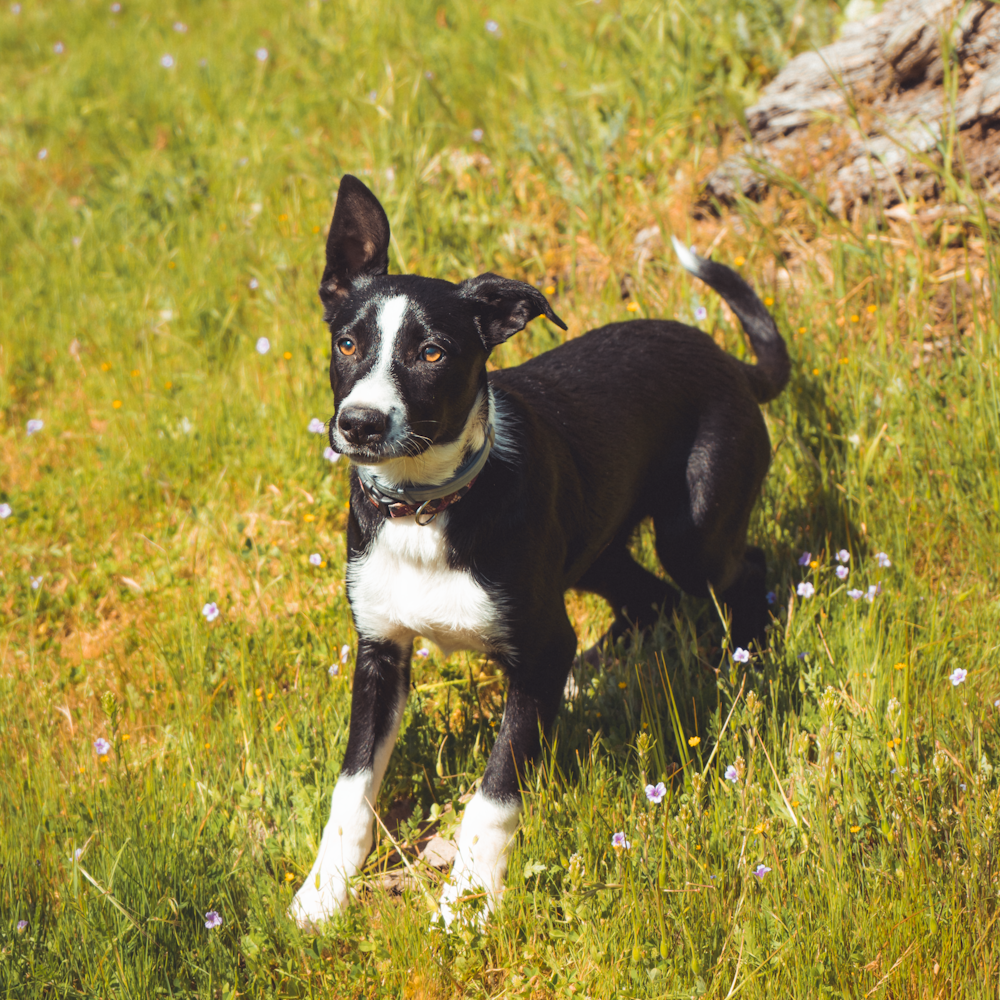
{"type": "Point", "coordinates": [174, 468]}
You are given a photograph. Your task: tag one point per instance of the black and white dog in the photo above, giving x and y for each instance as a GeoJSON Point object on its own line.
{"type": "Point", "coordinates": [478, 499]}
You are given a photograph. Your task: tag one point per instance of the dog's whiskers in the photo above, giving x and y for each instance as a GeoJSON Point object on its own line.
{"type": "Point", "coordinates": [412, 444]}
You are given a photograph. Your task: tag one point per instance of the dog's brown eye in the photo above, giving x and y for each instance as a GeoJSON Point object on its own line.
{"type": "Point", "coordinates": [346, 346]}
{"type": "Point", "coordinates": [432, 353]}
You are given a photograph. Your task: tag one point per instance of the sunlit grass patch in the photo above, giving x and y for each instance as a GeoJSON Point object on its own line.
{"type": "Point", "coordinates": [175, 667]}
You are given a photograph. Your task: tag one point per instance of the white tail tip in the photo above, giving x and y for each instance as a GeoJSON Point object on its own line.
{"type": "Point", "coordinates": [688, 258]}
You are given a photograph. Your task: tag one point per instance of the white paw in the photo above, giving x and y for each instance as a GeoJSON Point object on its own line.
{"type": "Point", "coordinates": [313, 906]}
{"type": "Point", "coordinates": [465, 898]}
{"type": "Point", "coordinates": [475, 885]}
{"type": "Point", "coordinates": [347, 839]}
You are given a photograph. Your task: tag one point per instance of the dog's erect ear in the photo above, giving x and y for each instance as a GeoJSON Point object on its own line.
{"type": "Point", "coordinates": [507, 306]}
{"type": "Point", "coordinates": [358, 243]}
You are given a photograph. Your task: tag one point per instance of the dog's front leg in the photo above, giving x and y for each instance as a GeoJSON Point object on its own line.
{"type": "Point", "coordinates": [491, 817]}
{"type": "Point", "coordinates": [381, 684]}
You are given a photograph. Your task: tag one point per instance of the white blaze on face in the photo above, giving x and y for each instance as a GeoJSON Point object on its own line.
{"type": "Point", "coordinates": [487, 830]}
{"type": "Point", "coordinates": [378, 389]}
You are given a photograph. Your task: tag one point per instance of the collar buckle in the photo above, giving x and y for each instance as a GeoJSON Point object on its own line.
{"type": "Point", "coordinates": [422, 511]}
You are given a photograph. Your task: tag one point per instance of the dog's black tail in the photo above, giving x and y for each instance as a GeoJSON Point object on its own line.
{"type": "Point", "coordinates": [770, 375]}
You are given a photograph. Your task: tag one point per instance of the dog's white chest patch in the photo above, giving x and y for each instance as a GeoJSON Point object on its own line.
{"type": "Point", "coordinates": [403, 587]}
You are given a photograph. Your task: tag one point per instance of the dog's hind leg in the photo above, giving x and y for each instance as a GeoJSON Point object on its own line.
{"type": "Point", "coordinates": [701, 535]}
{"type": "Point", "coordinates": [536, 673]}
{"type": "Point", "coordinates": [747, 600]}
{"type": "Point", "coordinates": [381, 684]}
{"type": "Point", "coordinates": [636, 596]}
{"type": "Point", "coordinates": [738, 580]}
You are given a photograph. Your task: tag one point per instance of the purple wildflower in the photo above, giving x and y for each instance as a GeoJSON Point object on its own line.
{"type": "Point", "coordinates": [330, 455]}
{"type": "Point", "coordinates": [741, 655]}
{"type": "Point", "coordinates": [212, 920]}
{"type": "Point", "coordinates": [34, 426]}
{"type": "Point", "coordinates": [619, 841]}
{"type": "Point", "coordinates": [883, 560]}
{"type": "Point", "coordinates": [701, 314]}
{"type": "Point", "coordinates": [423, 652]}
{"type": "Point", "coordinates": [477, 135]}
{"type": "Point", "coordinates": [5, 510]}
{"type": "Point", "coordinates": [732, 774]}
{"type": "Point", "coordinates": [102, 747]}
{"type": "Point", "coordinates": [805, 589]}
{"type": "Point", "coordinates": [210, 611]}
{"type": "Point", "coordinates": [261, 55]}
{"type": "Point", "coordinates": [843, 556]}
{"type": "Point", "coordinates": [805, 558]}
{"type": "Point", "coordinates": [315, 559]}
{"type": "Point", "coordinates": [957, 676]}
{"type": "Point", "coordinates": [854, 593]}
{"type": "Point", "coordinates": [760, 871]}
{"type": "Point", "coordinates": [167, 61]}
{"type": "Point", "coordinates": [345, 652]}
{"type": "Point", "coordinates": [263, 345]}
{"type": "Point", "coordinates": [316, 426]}
{"type": "Point", "coordinates": [22, 926]}
{"type": "Point", "coordinates": [656, 792]}
{"type": "Point", "coordinates": [842, 572]}
{"type": "Point", "coordinates": [772, 597]}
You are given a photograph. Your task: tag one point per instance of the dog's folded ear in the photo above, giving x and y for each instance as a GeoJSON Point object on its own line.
{"type": "Point", "coordinates": [507, 306]}
{"type": "Point", "coordinates": [358, 243]}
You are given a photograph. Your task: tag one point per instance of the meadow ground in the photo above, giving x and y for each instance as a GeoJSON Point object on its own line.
{"type": "Point", "coordinates": [166, 176]}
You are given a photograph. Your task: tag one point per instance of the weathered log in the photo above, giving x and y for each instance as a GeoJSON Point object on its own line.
{"type": "Point", "coordinates": [868, 113]}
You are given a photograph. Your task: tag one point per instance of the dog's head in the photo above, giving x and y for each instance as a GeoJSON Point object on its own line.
{"type": "Point", "coordinates": [409, 353]}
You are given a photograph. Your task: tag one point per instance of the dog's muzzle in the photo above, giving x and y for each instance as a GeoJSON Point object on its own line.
{"type": "Point", "coordinates": [362, 426]}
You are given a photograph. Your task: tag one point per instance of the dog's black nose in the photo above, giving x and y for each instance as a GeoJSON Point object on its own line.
{"type": "Point", "coordinates": [362, 424]}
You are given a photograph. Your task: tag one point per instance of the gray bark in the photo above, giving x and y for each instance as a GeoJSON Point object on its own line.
{"type": "Point", "coordinates": [870, 111]}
